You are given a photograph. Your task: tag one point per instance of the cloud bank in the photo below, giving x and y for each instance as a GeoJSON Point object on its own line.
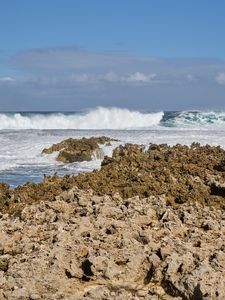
{"type": "Point", "coordinates": [71, 79]}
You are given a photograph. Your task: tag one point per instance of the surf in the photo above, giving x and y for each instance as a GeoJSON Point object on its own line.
{"type": "Point", "coordinates": [98, 118]}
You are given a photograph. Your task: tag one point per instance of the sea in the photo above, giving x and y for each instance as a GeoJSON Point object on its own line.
{"type": "Point", "coordinates": [23, 136]}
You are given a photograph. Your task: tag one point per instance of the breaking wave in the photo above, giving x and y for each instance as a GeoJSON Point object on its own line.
{"type": "Point", "coordinates": [197, 119]}
{"type": "Point", "coordinates": [99, 118]}
{"type": "Point", "coordinates": [113, 118]}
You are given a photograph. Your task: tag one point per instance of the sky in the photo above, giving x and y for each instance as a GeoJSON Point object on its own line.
{"type": "Point", "coordinates": [67, 55]}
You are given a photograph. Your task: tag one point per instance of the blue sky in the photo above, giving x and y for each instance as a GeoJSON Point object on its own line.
{"type": "Point", "coordinates": [142, 54]}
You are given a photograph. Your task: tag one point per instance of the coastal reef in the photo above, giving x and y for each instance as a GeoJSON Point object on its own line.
{"type": "Point", "coordinates": [150, 224]}
{"type": "Point", "coordinates": [72, 150]}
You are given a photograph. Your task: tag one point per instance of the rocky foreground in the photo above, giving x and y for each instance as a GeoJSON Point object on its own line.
{"type": "Point", "coordinates": [149, 225]}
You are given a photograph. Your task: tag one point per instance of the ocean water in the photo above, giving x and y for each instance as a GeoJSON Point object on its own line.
{"type": "Point", "coordinates": [23, 136]}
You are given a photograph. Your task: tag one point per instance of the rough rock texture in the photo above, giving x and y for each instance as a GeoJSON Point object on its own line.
{"type": "Point", "coordinates": [5, 195]}
{"type": "Point", "coordinates": [182, 173]}
{"type": "Point", "coordinates": [84, 149]}
{"type": "Point", "coordinates": [149, 225]}
{"type": "Point", "coordinates": [83, 246]}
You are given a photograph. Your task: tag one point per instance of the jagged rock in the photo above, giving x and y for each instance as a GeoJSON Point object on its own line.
{"type": "Point", "coordinates": [5, 195]}
{"type": "Point", "coordinates": [84, 149]}
{"type": "Point", "coordinates": [182, 173]}
{"type": "Point", "coordinates": [109, 247]}
{"type": "Point", "coordinates": [149, 225]}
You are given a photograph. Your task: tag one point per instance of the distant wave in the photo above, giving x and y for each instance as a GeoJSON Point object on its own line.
{"type": "Point", "coordinates": [113, 118]}
{"type": "Point", "coordinates": [195, 119]}
{"type": "Point", "coordinates": [99, 118]}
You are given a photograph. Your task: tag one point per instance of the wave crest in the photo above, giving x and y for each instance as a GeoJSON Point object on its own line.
{"type": "Point", "coordinates": [99, 118]}
{"type": "Point", "coordinates": [194, 119]}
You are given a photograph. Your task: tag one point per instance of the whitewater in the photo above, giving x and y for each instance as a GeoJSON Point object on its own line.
{"type": "Point", "coordinates": [23, 135]}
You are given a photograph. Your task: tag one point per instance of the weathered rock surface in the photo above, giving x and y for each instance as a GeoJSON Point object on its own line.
{"type": "Point", "coordinates": [183, 174]}
{"type": "Point", "coordinates": [149, 225]}
{"type": "Point", "coordinates": [84, 149]}
{"type": "Point", "coordinates": [84, 246]}
{"type": "Point", "coordinates": [5, 195]}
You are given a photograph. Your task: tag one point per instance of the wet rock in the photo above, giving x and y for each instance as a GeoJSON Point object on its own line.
{"type": "Point", "coordinates": [72, 150]}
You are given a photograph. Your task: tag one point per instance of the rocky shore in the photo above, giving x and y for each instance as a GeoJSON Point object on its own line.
{"type": "Point", "coordinates": [150, 224]}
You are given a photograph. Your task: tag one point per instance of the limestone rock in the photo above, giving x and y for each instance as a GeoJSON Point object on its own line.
{"type": "Point", "coordinates": [112, 248]}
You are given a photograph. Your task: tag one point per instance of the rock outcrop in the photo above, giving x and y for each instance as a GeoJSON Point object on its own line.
{"type": "Point", "coordinates": [181, 173]}
{"type": "Point", "coordinates": [72, 150]}
{"type": "Point", "coordinates": [84, 246]}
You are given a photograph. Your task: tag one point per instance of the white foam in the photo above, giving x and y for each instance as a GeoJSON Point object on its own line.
{"type": "Point", "coordinates": [99, 118]}
{"type": "Point", "coordinates": [22, 148]}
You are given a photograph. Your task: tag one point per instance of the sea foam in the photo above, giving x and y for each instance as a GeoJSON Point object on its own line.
{"type": "Point", "coordinates": [99, 118]}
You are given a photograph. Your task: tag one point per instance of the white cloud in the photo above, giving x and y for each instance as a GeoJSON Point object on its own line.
{"type": "Point", "coordinates": [111, 77]}
{"type": "Point", "coordinates": [139, 77]}
{"type": "Point", "coordinates": [82, 67]}
{"type": "Point", "coordinates": [136, 77]}
{"type": "Point", "coordinates": [86, 78]}
{"type": "Point", "coordinates": [220, 78]}
{"type": "Point", "coordinates": [80, 78]}
{"type": "Point", "coordinates": [3, 79]}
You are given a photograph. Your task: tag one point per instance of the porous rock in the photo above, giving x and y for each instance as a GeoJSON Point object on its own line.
{"type": "Point", "coordinates": [150, 224]}
{"type": "Point", "coordinates": [72, 150]}
{"type": "Point", "coordinates": [108, 247]}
